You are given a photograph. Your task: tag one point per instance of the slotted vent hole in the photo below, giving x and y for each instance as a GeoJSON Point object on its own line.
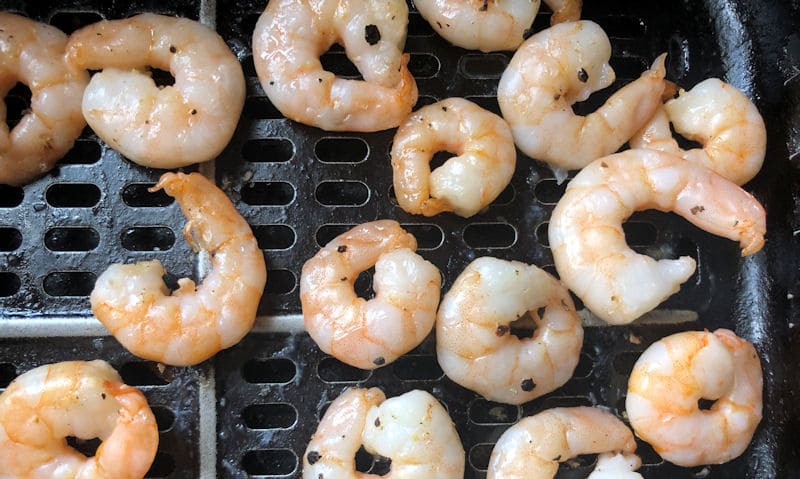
{"type": "Point", "coordinates": [270, 462]}
{"type": "Point", "coordinates": [490, 235]}
{"type": "Point", "coordinates": [141, 373]}
{"type": "Point", "coordinates": [482, 411]}
{"type": "Point", "coordinates": [326, 233]}
{"type": "Point", "coordinates": [429, 236]}
{"type": "Point", "coordinates": [268, 150]}
{"type": "Point", "coordinates": [372, 464]}
{"type": "Point", "coordinates": [73, 195]}
{"type": "Point", "coordinates": [487, 103]}
{"type": "Point", "coordinates": [623, 26]}
{"type": "Point", "coordinates": [479, 456]}
{"type": "Point", "coordinates": [423, 65]}
{"type": "Point", "coordinates": [69, 283]}
{"type": "Point", "coordinates": [342, 193]}
{"type": "Point", "coordinates": [10, 239]}
{"type": "Point", "coordinates": [11, 196]}
{"type": "Point", "coordinates": [269, 371]}
{"type": "Point", "coordinates": [270, 416]}
{"type": "Point", "coordinates": [566, 401]}
{"type": "Point", "coordinates": [164, 418]}
{"type": "Point", "coordinates": [162, 78]}
{"type": "Point", "coordinates": [623, 362]}
{"type": "Point", "coordinates": [483, 66]}
{"type": "Point", "coordinates": [639, 233]}
{"type": "Point", "coordinates": [331, 370]}
{"type": "Point", "coordinates": [341, 150]}
{"type": "Point", "coordinates": [84, 152]}
{"type": "Point", "coordinates": [68, 22]}
{"type": "Point", "coordinates": [163, 466]}
{"type": "Point", "coordinates": [71, 239]}
{"type": "Point", "coordinates": [7, 373]}
{"type": "Point", "coordinates": [628, 67]}
{"type": "Point", "coordinates": [363, 284]}
{"type": "Point", "coordinates": [548, 191]}
{"type": "Point", "coordinates": [417, 368]}
{"type": "Point", "coordinates": [281, 281]}
{"type": "Point", "coordinates": [9, 284]}
{"type": "Point", "coordinates": [18, 103]}
{"type": "Point", "coordinates": [148, 238]}
{"type": "Point", "coordinates": [274, 237]}
{"type": "Point", "coordinates": [87, 447]}
{"type": "Point", "coordinates": [418, 26]}
{"type": "Point", "coordinates": [337, 63]}
{"type": "Point", "coordinates": [277, 193]}
{"type": "Point", "coordinates": [541, 234]}
{"type": "Point", "coordinates": [260, 108]}
{"type": "Point", "coordinates": [138, 196]}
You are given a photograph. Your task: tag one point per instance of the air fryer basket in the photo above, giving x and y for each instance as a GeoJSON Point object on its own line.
{"type": "Point", "coordinates": [250, 411]}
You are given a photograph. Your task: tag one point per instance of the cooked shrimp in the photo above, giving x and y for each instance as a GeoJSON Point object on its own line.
{"type": "Point", "coordinates": [33, 53]}
{"type": "Point", "coordinates": [722, 119]}
{"type": "Point", "coordinates": [361, 333]}
{"type": "Point", "coordinates": [160, 127]}
{"type": "Point", "coordinates": [533, 447]}
{"type": "Point", "coordinates": [473, 341]}
{"type": "Point", "coordinates": [465, 183]}
{"type": "Point", "coordinates": [291, 35]}
{"type": "Point", "coordinates": [194, 322]}
{"type": "Point", "coordinates": [558, 67]}
{"type": "Point", "coordinates": [673, 374]}
{"type": "Point", "coordinates": [588, 243]}
{"type": "Point", "coordinates": [413, 430]}
{"type": "Point", "coordinates": [490, 25]}
{"type": "Point", "coordinates": [87, 400]}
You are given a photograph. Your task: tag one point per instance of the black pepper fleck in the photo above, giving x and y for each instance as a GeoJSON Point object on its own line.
{"type": "Point", "coordinates": [172, 49]}
{"type": "Point", "coordinates": [697, 209]}
{"type": "Point", "coordinates": [377, 422]}
{"type": "Point", "coordinates": [320, 476]}
{"type": "Point", "coordinates": [341, 249]}
{"type": "Point", "coordinates": [379, 361]}
{"type": "Point", "coordinates": [501, 330]}
{"type": "Point", "coordinates": [271, 82]}
{"type": "Point", "coordinates": [103, 395]}
{"type": "Point", "coordinates": [444, 108]}
{"type": "Point", "coordinates": [557, 96]}
{"type": "Point", "coordinates": [372, 34]}
{"type": "Point", "coordinates": [313, 457]}
{"type": "Point", "coordinates": [604, 164]}
{"type": "Point", "coordinates": [320, 80]}
{"type": "Point", "coordinates": [583, 76]}
{"type": "Point", "coordinates": [735, 223]}
{"type": "Point", "coordinates": [527, 385]}
{"type": "Point", "coordinates": [440, 24]}
{"type": "Point", "coordinates": [485, 6]}
{"type": "Point", "coordinates": [343, 278]}
{"type": "Point", "coordinates": [193, 112]}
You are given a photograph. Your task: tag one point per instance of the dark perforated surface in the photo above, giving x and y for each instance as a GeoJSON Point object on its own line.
{"type": "Point", "coordinates": [299, 187]}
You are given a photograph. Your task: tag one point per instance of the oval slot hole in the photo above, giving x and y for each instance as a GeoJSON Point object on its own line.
{"type": "Point", "coordinates": [620, 26]}
{"type": "Point", "coordinates": [565, 401]}
{"type": "Point", "coordinates": [85, 152]}
{"type": "Point", "coordinates": [163, 466]}
{"type": "Point", "coordinates": [331, 370]}
{"type": "Point", "coordinates": [164, 418]}
{"type": "Point", "coordinates": [10, 239]}
{"type": "Point", "coordinates": [326, 233]}
{"type": "Point", "coordinates": [136, 195]}
{"type": "Point", "coordinates": [73, 195]}
{"type": "Point", "coordinates": [268, 150]}
{"type": "Point", "coordinates": [69, 283]}
{"type": "Point", "coordinates": [541, 234]}
{"type": "Point", "coordinates": [341, 150]}
{"type": "Point", "coordinates": [274, 236]}
{"type": "Point", "coordinates": [490, 235]}
{"type": "Point", "coordinates": [479, 456]}
{"type": "Point", "coordinates": [482, 411]}
{"type": "Point", "coordinates": [423, 65]}
{"type": "Point", "coordinates": [71, 239]}
{"type": "Point", "coordinates": [280, 281]}
{"type": "Point", "coordinates": [277, 193]}
{"type": "Point", "coordinates": [548, 191]}
{"type": "Point", "coordinates": [428, 236]}
{"type": "Point", "coordinates": [9, 284]}
{"type": "Point", "coordinates": [270, 462]}
{"type": "Point", "coordinates": [417, 368]}
{"type": "Point", "coordinates": [141, 373]}
{"type": "Point", "coordinates": [342, 193]}
{"type": "Point", "coordinates": [7, 374]}
{"type": "Point", "coordinates": [68, 22]}
{"type": "Point", "coordinates": [269, 416]}
{"type": "Point", "coordinates": [260, 108]}
{"type": "Point", "coordinates": [269, 371]}
{"type": "Point", "coordinates": [638, 233]}
{"type": "Point", "coordinates": [338, 64]}
{"type": "Point", "coordinates": [487, 103]}
{"type": "Point", "coordinates": [148, 238]}
{"type": "Point", "coordinates": [483, 66]}
{"type": "Point", "coordinates": [11, 196]}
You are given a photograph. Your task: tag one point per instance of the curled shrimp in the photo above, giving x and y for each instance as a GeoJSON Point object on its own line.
{"type": "Point", "coordinates": [588, 243]}
{"type": "Point", "coordinates": [413, 430]}
{"type": "Point", "coordinates": [33, 53]}
{"type": "Point", "coordinates": [533, 447]}
{"type": "Point", "coordinates": [361, 333]}
{"type": "Point", "coordinates": [490, 25]}
{"type": "Point", "coordinates": [465, 183]}
{"type": "Point", "coordinates": [473, 341]}
{"type": "Point", "coordinates": [87, 400]}
{"type": "Point", "coordinates": [194, 322]}
{"type": "Point", "coordinates": [558, 67]}
{"type": "Point", "coordinates": [160, 127]}
{"type": "Point", "coordinates": [291, 35]}
{"type": "Point", "coordinates": [673, 374]}
{"type": "Point", "coordinates": [722, 119]}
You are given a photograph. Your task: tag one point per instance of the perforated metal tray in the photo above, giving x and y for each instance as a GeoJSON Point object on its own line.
{"type": "Point", "coordinates": [250, 411]}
